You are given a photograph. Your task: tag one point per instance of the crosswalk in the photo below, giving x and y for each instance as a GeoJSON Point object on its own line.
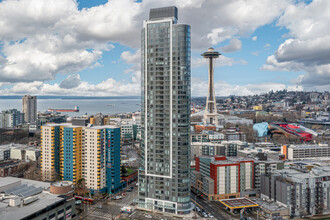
{"type": "Point", "coordinates": [101, 215]}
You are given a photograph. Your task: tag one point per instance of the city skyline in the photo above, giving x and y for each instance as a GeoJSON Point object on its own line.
{"type": "Point", "coordinates": [92, 48]}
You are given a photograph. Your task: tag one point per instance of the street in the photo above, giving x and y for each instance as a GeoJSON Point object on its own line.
{"type": "Point", "coordinates": [217, 209]}
{"type": "Point", "coordinates": [110, 208]}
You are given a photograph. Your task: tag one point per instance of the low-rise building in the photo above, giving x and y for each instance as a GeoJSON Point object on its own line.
{"type": "Point", "coordinates": [29, 199]}
{"type": "Point", "coordinates": [295, 152]}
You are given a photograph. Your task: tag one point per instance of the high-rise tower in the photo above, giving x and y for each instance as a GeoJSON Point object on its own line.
{"type": "Point", "coordinates": [29, 108]}
{"type": "Point", "coordinates": [210, 116]}
{"type": "Point", "coordinates": [164, 176]}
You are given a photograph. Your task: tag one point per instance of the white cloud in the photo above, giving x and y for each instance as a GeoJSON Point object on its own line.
{"type": "Point", "coordinates": [254, 38]}
{"type": "Point", "coordinates": [199, 88]}
{"type": "Point", "coordinates": [43, 38]}
{"type": "Point", "coordinates": [308, 46]}
{"type": "Point", "coordinates": [235, 45]}
{"type": "Point", "coordinates": [71, 81]}
{"type": "Point", "coordinates": [131, 58]}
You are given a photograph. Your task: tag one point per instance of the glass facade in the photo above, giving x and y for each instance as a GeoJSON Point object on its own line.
{"type": "Point", "coordinates": [164, 177]}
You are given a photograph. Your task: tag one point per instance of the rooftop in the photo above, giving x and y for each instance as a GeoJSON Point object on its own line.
{"type": "Point", "coordinates": [12, 187]}
{"type": "Point", "coordinates": [238, 203]}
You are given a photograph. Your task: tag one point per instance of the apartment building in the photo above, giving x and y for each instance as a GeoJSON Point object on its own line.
{"type": "Point", "coordinates": [164, 175]}
{"type": "Point", "coordinates": [50, 152]}
{"type": "Point", "coordinates": [101, 156]}
{"type": "Point", "coordinates": [29, 108]}
{"type": "Point", "coordinates": [72, 152]}
{"type": "Point", "coordinates": [11, 118]}
{"type": "Point", "coordinates": [306, 193]}
{"type": "Point", "coordinates": [222, 178]}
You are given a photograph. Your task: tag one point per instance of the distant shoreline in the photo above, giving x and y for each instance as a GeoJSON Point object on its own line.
{"type": "Point", "coordinates": [75, 97]}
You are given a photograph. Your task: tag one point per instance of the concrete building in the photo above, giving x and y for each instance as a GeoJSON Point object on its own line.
{"type": "Point", "coordinates": [305, 193]}
{"type": "Point", "coordinates": [11, 118]}
{"type": "Point", "coordinates": [264, 166]}
{"type": "Point", "coordinates": [29, 199]}
{"type": "Point", "coordinates": [4, 153]}
{"type": "Point", "coordinates": [295, 152]}
{"type": "Point", "coordinates": [29, 108]}
{"type": "Point", "coordinates": [23, 152]}
{"type": "Point", "coordinates": [129, 130]}
{"type": "Point", "coordinates": [213, 149]}
{"type": "Point", "coordinates": [221, 177]}
{"type": "Point", "coordinates": [164, 176]}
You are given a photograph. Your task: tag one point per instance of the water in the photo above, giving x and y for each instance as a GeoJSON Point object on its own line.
{"type": "Point", "coordinates": [86, 106]}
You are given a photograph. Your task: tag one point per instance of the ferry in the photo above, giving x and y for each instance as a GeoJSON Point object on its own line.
{"type": "Point", "coordinates": [76, 109]}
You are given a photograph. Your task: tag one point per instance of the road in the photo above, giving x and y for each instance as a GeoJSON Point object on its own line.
{"type": "Point", "coordinates": [109, 209]}
{"type": "Point", "coordinates": [205, 205]}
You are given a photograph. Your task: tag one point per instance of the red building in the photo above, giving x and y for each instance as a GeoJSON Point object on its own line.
{"type": "Point", "coordinates": [222, 178]}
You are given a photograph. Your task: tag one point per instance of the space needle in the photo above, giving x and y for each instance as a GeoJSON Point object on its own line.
{"type": "Point", "coordinates": [210, 116]}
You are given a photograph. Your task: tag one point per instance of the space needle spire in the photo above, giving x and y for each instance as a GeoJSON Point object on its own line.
{"type": "Point", "coordinates": [210, 116]}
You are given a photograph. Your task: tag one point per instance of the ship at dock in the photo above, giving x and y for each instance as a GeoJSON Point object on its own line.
{"type": "Point", "coordinates": [75, 109]}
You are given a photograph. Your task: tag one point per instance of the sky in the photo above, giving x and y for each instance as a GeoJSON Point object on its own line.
{"type": "Point", "coordinates": [92, 48]}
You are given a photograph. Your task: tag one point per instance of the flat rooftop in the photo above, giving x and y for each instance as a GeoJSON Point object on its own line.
{"type": "Point", "coordinates": [238, 203]}
{"type": "Point", "coordinates": [14, 187]}
{"type": "Point", "coordinates": [314, 146]}
{"type": "Point", "coordinates": [269, 205]}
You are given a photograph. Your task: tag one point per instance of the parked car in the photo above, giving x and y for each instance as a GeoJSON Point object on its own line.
{"type": "Point", "coordinates": [118, 197]}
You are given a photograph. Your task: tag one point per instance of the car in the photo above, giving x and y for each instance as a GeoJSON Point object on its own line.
{"type": "Point", "coordinates": [210, 215]}
{"type": "Point", "coordinates": [205, 215]}
{"type": "Point", "coordinates": [123, 194]}
{"type": "Point", "coordinates": [148, 216]}
{"type": "Point", "coordinates": [198, 209]}
{"type": "Point", "coordinates": [99, 206]}
{"type": "Point", "coordinates": [118, 197]}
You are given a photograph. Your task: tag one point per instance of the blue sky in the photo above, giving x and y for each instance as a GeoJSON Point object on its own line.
{"type": "Point", "coordinates": [88, 47]}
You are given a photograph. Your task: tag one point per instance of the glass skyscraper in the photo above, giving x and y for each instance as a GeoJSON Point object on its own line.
{"type": "Point", "coordinates": [164, 176]}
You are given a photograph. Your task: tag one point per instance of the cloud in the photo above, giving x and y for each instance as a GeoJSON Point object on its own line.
{"type": "Point", "coordinates": [43, 38]}
{"type": "Point", "coordinates": [235, 45]}
{"type": "Point", "coordinates": [308, 47]}
{"type": "Point", "coordinates": [111, 87]}
{"type": "Point", "coordinates": [199, 88]}
{"type": "Point", "coordinates": [71, 81]}
{"type": "Point", "coordinates": [131, 58]}
{"type": "Point", "coordinates": [254, 38]}
{"type": "Point", "coordinates": [40, 39]}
